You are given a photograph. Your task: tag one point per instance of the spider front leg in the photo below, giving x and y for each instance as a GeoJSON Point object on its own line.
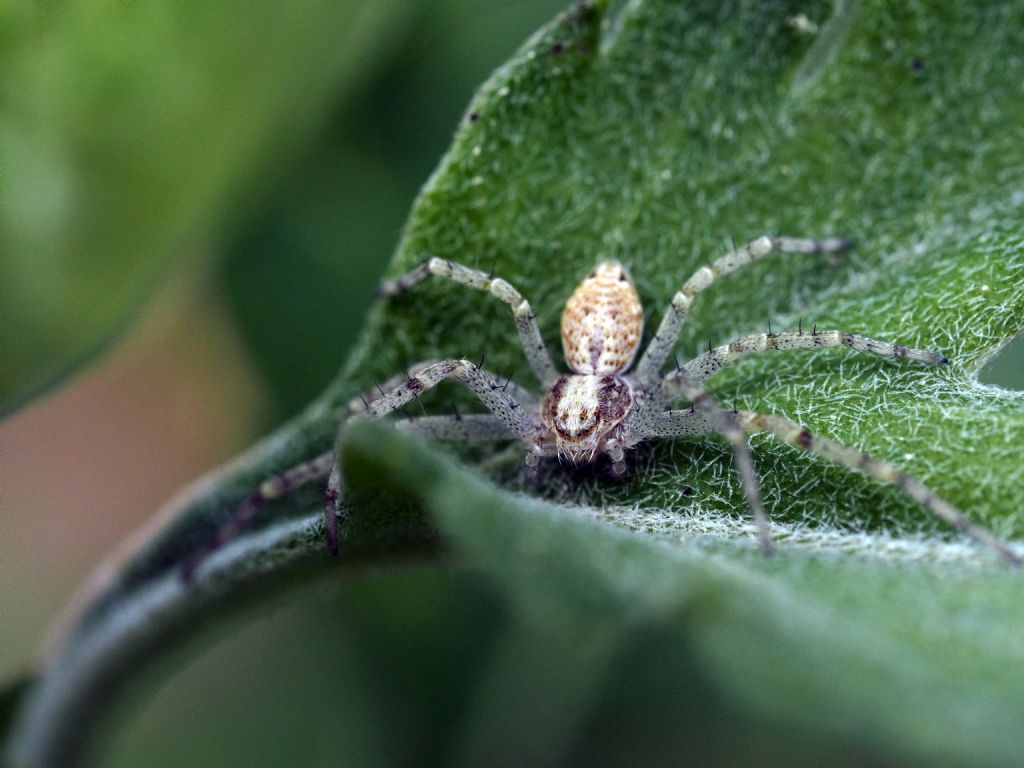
{"type": "Point", "coordinates": [718, 358]}
{"type": "Point", "coordinates": [649, 368]}
{"type": "Point", "coordinates": [460, 428]}
{"type": "Point", "coordinates": [526, 322]}
{"type": "Point", "coordinates": [506, 412]}
{"type": "Point", "coordinates": [494, 396]}
{"type": "Point", "coordinates": [798, 436]}
{"type": "Point", "coordinates": [507, 419]}
{"type": "Point", "coordinates": [645, 421]}
{"type": "Point", "coordinates": [688, 423]}
{"type": "Point", "coordinates": [471, 428]}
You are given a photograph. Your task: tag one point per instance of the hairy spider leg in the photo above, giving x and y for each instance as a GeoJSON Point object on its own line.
{"type": "Point", "coordinates": [792, 433]}
{"type": "Point", "coordinates": [692, 423]}
{"type": "Point", "coordinates": [722, 422]}
{"type": "Point", "coordinates": [537, 353]}
{"type": "Point", "coordinates": [272, 488]}
{"type": "Point", "coordinates": [680, 383]}
{"type": "Point", "coordinates": [685, 423]}
{"type": "Point", "coordinates": [276, 486]}
{"type": "Point", "coordinates": [461, 428]}
{"type": "Point", "coordinates": [648, 370]}
{"type": "Point", "coordinates": [508, 411]}
{"type": "Point", "coordinates": [467, 428]}
{"type": "Point", "coordinates": [493, 395]}
{"type": "Point", "coordinates": [506, 420]}
{"type": "Point", "coordinates": [718, 358]}
{"type": "Point", "coordinates": [688, 423]}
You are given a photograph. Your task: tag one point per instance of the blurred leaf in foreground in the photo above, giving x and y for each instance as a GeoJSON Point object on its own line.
{"type": "Point", "coordinates": [894, 658]}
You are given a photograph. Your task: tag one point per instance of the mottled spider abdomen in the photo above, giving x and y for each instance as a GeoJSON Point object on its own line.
{"type": "Point", "coordinates": [602, 322]}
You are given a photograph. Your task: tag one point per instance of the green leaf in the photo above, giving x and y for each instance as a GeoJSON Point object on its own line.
{"type": "Point", "coordinates": [126, 134]}
{"type": "Point", "coordinates": [655, 137]}
{"type": "Point", "coordinates": [917, 661]}
{"type": "Point", "coordinates": [687, 126]}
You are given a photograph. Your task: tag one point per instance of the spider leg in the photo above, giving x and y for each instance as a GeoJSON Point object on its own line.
{"type": "Point", "coordinates": [644, 420]}
{"type": "Point", "coordinates": [472, 427]}
{"type": "Point", "coordinates": [272, 488]}
{"type": "Point", "coordinates": [507, 419]}
{"type": "Point", "coordinates": [649, 367]}
{"type": "Point", "coordinates": [688, 423]}
{"type": "Point", "coordinates": [493, 395]}
{"type": "Point", "coordinates": [526, 322]}
{"type": "Point", "coordinates": [718, 358]}
{"type": "Point", "coordinates": [292, 479]}
{"type": "Point", "coordinates": [797, 436]}
{"type": "Point", "coordinates": [464, 428]}
{"type": "Point", "coordinates": [332, 502]}
{"type": "Point", "coordinates": [360, 403]}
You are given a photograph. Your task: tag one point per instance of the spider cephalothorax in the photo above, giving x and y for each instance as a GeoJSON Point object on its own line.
{"type": "Point", "coordinates": [584, 411]}
{"type": "Point", "coordinates": [602, 408]}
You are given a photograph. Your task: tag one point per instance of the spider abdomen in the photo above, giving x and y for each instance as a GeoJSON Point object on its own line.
{"type": "Point", "coordinates": [602, 322]}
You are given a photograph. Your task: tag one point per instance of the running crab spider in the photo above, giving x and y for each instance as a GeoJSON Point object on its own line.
{"type": "Point", "coordinates": [600, 408]}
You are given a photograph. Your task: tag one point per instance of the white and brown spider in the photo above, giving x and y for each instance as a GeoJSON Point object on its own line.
{"type": "Point", "coordinates": [599, 409]}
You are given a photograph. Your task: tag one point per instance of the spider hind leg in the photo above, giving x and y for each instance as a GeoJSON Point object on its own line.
{"type": "Point", "coordinates": [792, 433]}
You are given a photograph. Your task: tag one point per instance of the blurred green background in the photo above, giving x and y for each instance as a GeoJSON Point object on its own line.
{"type": "Point", "coordinates": [313, 132]}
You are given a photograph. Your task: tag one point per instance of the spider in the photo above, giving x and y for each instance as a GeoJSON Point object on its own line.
{"type": "Point", "coordinates": [601, 408]}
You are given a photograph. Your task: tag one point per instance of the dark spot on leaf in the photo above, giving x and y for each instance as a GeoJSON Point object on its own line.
{"type": "Point", "coordinates": [917, 64]}
{"type": "Point", "coordinates": [687, 490]}
{"type": "Point", "coordinates": [474, 116]}
{"type": "Point", "coordinates": [557, 48]}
